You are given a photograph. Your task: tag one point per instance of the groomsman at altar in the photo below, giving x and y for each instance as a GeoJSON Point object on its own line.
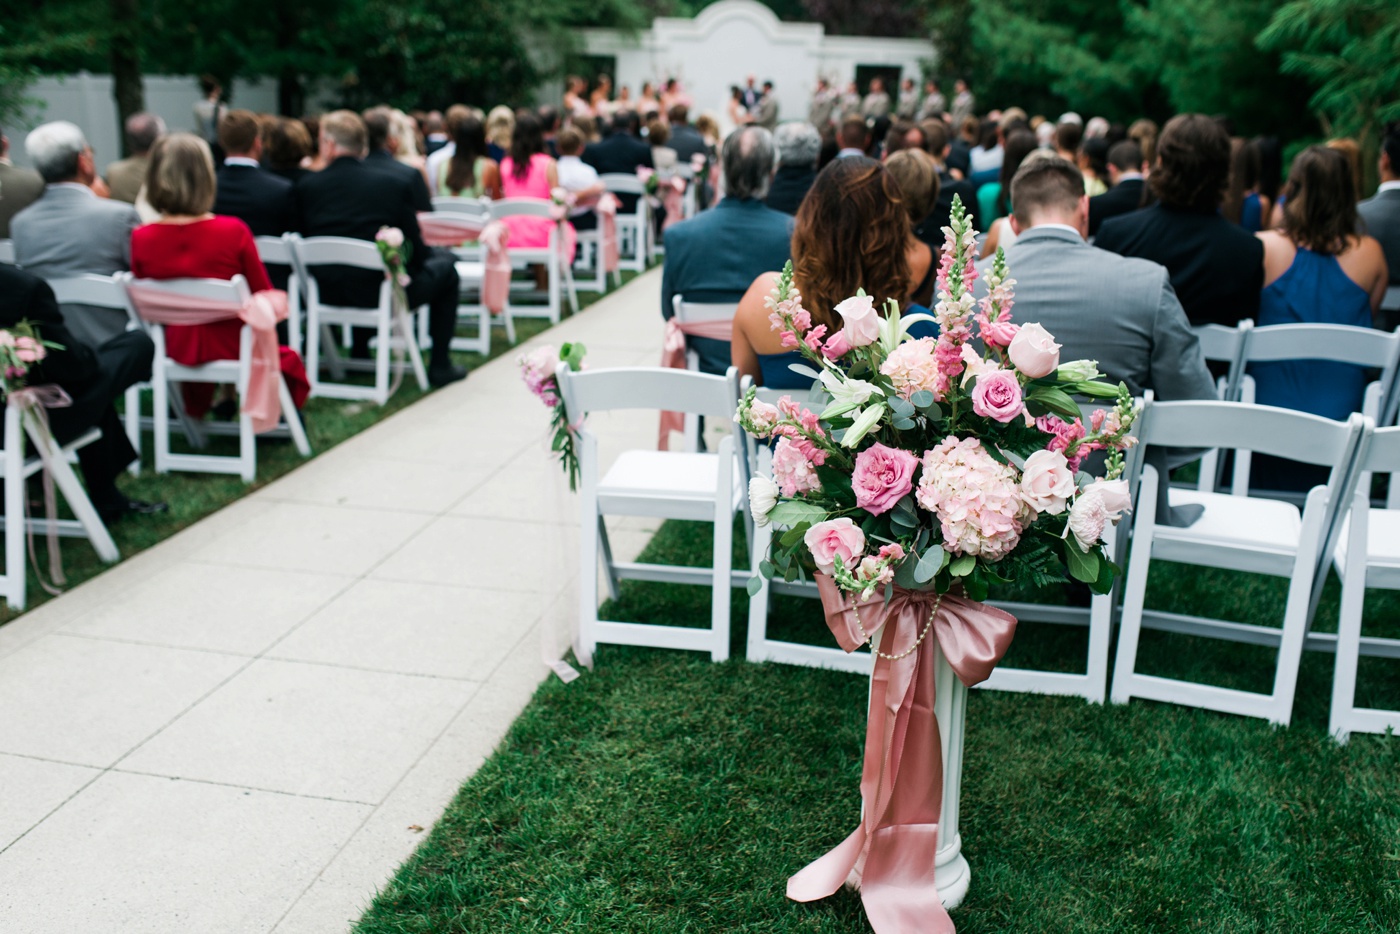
{"type": "Point", "coordinates": [716, 255]}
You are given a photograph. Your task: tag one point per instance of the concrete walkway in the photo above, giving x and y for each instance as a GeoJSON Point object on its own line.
{"type": "Point", "coordinates": [248, 727]}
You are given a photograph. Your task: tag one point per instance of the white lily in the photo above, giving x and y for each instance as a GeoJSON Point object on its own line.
{"type": "Point", "coordinates": [862, 426]}
{"type": "Point", "coordinates": [846, 394]}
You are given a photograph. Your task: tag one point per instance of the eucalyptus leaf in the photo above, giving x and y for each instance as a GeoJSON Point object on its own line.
{"type": "Point", "coordinates": [922, 399]}
{"type": "Point", "coordinates": [789, 513]}
{"type": "Point", "coordinates": [930, 563]}
{"type": "Point", "coordinates": [755, 585]}
{"type": "Point", "coordinates": [765, 568]}
{"type": "Point", "coordinates": [1083, 566]}
{"type": "Point", "coordinates": [903, 424]}
{"type": "Point", "coordinates": [962, 565]}
{"type": "Point", "coordinates": [900, 407]}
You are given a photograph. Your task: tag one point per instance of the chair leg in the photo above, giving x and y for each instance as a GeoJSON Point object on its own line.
{"type": "Point", "coordinates": [313, 351]}
{"type": "Point", "coordinates": [16, 577]}
{"type": "Point", "coordinates": [160, 392]}
{"type": "Point", "coordinates": [415, 359]}
{"type": "Point", "coordinates": [510, 323]}
{"type": "Point", "coordinates": [293, 418]}
{"type": "Point", "coordinates": [1349, 622]}
{"type": "Point", "coordinates": [724, 553]}
{"type": "Point", "coordinates": [758, 603]}
{"type": "Point", "coordinates": [589, 519]}
{"type": "Point", "coordinates": [73, 492]}
{"type": "Point", "coordinates": [247, 449]}
{"type": "Point", "coordinates": [1135, 593]}
{"type": "Point", "coordinates": [556, 309]}
{"type": "Point", "coordinates": [382, 353]}
{"type": "Point", "coordinates": [131, 420]}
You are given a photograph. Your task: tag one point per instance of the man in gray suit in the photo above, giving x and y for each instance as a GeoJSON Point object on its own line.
{"type": "Point", "coordinates": [1382, 212]}
{"type": "Point", "coordinates": [70, 231]}
{"type": "Point", "coordinates": [18, 187]}
{"type": "Point", "coordinates": [1099, 306]}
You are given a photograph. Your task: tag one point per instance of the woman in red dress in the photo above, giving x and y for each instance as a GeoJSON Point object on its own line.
{"type": "Point", "coordinates": [189, 242]}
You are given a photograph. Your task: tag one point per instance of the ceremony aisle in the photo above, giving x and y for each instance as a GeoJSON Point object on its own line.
{"type": "Point", "coordinates": [246, 727]}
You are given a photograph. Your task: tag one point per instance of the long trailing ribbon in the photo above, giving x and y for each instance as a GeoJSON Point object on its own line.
{"type": "Point", "coordinates": [447, 231]}
{"type": "Point", "coordinates": [36, 401]}
{"type": "Point", "coordinates": [606, 209]}
{"type": "Point", "coordinates": [673, 355]}
{"type": "Point", "coordinates": [892, 854]}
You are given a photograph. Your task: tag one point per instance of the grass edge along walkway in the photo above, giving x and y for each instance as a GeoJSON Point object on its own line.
{"type": "Point", "coordinates": [664, 793]}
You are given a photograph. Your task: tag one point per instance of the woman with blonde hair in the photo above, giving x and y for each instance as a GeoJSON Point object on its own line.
{"type": "Point", "coordinates": [500, 124]}
{"type": "Point", "coordinates": [189, 241]}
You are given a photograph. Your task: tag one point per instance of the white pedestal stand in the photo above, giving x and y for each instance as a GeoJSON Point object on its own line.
{"type": "Point", "coordinates": [952, 875]}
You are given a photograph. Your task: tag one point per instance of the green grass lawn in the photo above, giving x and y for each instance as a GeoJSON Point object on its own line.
{"type": "Point", "coordinates": [662, 793]}
{"type": "Point", "coordinates": [193, 496]}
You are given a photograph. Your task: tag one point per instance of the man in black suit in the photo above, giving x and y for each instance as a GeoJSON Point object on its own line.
{"type": "Point", "coordinates": [1125, 173]}
{"type": "Point", "coordinates": [1216, 267]}
{"type": "Point", "coordinates": [246, 191]}
{"type": "Point", "coordinates": [384, 146]}
{"type": "Point", "coordinates": [352, 198]}
{"type": "Point", "coordinates": [621, 152]}
{"type": "Point", "coordinates": [685, 139]}
{"type": "Point", "coordinates": [94, 378]}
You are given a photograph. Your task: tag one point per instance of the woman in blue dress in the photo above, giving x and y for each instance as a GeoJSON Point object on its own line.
{"type": "Point", "coordinates": [850, 233]}
{"type": "Point", "coordinates": [1317, 270]}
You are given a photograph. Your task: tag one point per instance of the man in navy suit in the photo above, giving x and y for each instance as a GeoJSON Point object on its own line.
{"type": "Point", "coordinates": [1125, 173]}
{"type": "Point", "coordinates": [246, 191]}
{"type": "Point", "coordinates": [621, 152]}
{"type": "Point", "coordinates": [383, 146]}
{"type": "Point", "coordinates": [715, 256]}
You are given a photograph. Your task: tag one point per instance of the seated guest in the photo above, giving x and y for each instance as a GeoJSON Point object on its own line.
{"type": "Point", "coordinates": [714, 256]}
{"type": "Point", "coordinates": [350, 199]}
{"type": "Point", "coordinates": [663, 157]}
{"type": "Point", "coordinates": [1243, 203]}
{"type": "Point", "coordinates": [500, 124]}
{"type": "Point", "coordinates": [851, 233]}
{"type": "Point", "coordinates": [1093, 162]}
{"type": "Point", "coordinates": [70, 231]}
{"type": "Point", "coordinates": [126, 177]}
{"type": "Point", "coordinates": [1216, 267]}
{"type": "Point", "coordinates": [578, 178]}
{"type": "Point", "coordinates": [94, 377]}
{"type": "Point", "coordinates": [468, 172]}
{"type": "Point", "coordinates": [1125, 175]}
{"type": "Point", "coordinates": [529, 172]}
{"type": "Point", "coordinates": [385, 140]}
{"type": "Point", "coordinates": [994, 200]}
{"type": "Point", "coordinates": [1316, 271]}
{"type": "Point", "coordinates": [286, 146]}
{"type": "Point", "coordinates": [620, 153]}
{"type": "Point", "coordinates": [854, 137]}
{"type": "Point", "coordinates": [189, 241]}
{"type": "Point", "coordinates": [930, 229]}
{"type": "Point", "coordinates": [1118, 311]}
{"type": "Point", "coordinates": [247, 191]}
{"type": "Point", "coordinates": [455, 114]}
{"type": "Point", "coordinates": [549, 128]}
{"type": "Point", "coordinates": [798, 146]}
{"type": "Point", "coordinates": [685, 139]}
{"type": "Point", "coordinates": [916, 176]}
{"type": "Point", "coordinates": [434, 133]}
{"type": "Point", "coordinates": [19, 188]}
{"type": "Point", "coordinates": [1382, 212]}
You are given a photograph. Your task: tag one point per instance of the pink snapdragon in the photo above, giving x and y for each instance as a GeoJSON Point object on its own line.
{"type": "Point", "coordinates": [976, 499]}
{"type": "Point", "coordinates": [813, 340]}
{"type": "Point", "coordinates": [882, 476]}
{"type": "Point", "coordinates": [808, 426]}
{"type": "Point", "coordinates": [793, 472]}
{"type": "Point", "coordinates": [1066, 435]}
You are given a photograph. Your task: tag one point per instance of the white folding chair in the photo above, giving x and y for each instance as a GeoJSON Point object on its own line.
{"type": "Point", "coordinates": [16, 468]}
{"type": "Point", "coordinates": [558, 268]}
{"type": "Point", "coordinates": [687, 313]}
{"type": "Point", "coordinates": [1221, 344]}
{"type": "Point", "coordinates": [635, 238]}
{"type": "Point", "coordinates": [471, 272]}
{"type": "Point", "coordinates": [477, 208]}
{"type": "Point", "coordinates": [318, 252]}
{"type": "Point", "coordinates": [165, 371]}
{"type": "Point", "coordinates": [661, 484]}
{"type": "Point", "coordinates": [1243, 533]}
{"type": "Point", "coordinates": [7, 251]}
{"type": "Point", "coordinates": [1335, 343]}
{"type": "Point", "coordinates": [278, 251]}
{"type": "Point", "coordinates": [1367, 555]}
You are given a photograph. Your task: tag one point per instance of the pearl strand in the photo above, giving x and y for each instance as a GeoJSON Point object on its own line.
{"type": "Point", "coordinates": [855, 611]}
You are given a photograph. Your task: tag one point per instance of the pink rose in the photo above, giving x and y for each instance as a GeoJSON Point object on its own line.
{"type": "Point", "coordinates": [27, 354]}
{"type": "Point", "coordinates": [1034, 351]}
{"type": "Point", "coordinates": [1046, 482]}
{"type": "Point", "coordinates": [1114, 494]}
{"type": "Point", "coordinates": [826, 540]}
{"type": "Point", "coordinates": [836, 346]}
{"type": "Point", "coordinates": [391, 237]}
{"type": "Point", "coordinates": [997, 395]}
{"type": "Point", "coordinates": [882, 476]}
{"type": "Point", "coordinates": [861, 320]}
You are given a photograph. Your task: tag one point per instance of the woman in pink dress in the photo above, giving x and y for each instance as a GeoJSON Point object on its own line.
{"type": "Point", "coordinates": [529, 172]}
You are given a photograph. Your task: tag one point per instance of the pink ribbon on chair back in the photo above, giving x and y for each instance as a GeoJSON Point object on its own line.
{"type": "Point", "coordinates": [261, 312]}
{"type": "Point", "coordinates": [495, 281]}
{"type": "Point", "coordinates": [38, 400]}
{"type": "Point", "coordinates": [448, 231]}
{"type": "Point", "coordinates": [891, 855]}
{"type": "Point", "coordinates": [673, 199]}
{"type": "Point", "coordinates": [606, 209]}
{"type": "Point", "coordinates": [673, 355]}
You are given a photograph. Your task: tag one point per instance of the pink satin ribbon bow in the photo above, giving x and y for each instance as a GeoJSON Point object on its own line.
{"type": "Point", "coordinates": [891, 855]}
{"type": "Point", "coordinates": [37, 400]}
{"type": "Point", "coordinates": [673, 355]}
{"type": "Point", "coordinates": [262, 311]}
{"type": "Point", "coordinates": [453, 232]}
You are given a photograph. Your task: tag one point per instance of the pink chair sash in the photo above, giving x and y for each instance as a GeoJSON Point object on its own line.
{"type": "Point", "coordinates": [673, 199]}
{"type": "Point", "coordinates": [495, 282]}
{"type": "Point", "coordinates": [891, 855]}
{"type": "Point", "coordinates": [606, 209]}
{"type": "Point", "coordinates": [448, 231]}
{"type": "Point", "coordinates": [673, 355]}
{"type": "Point", "coordinates": [262, 402]}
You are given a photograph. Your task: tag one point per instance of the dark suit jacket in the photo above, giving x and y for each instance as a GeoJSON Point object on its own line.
{"type": "Point", "coordinates": [1216, 267]}
{"type": "Point", "coordinates": [1382, 216]}
{"type": "Point", "coordinates": [26, 296]}
{"type": "Point", "coordinates": [380, 159]}
{"type": "Point", "coordinates": [1123, 198]}
{"type": "Point", "coordinates": [686, 141]}
{"type": "Point", "coordinates": [351, 199]}
{"type": "Point", "coordinates": [930, 230]}
{"type": "Point", "coordinates": [790, 186]}
{"type": "Point", "coordinates": [258, 198]}
{"type": "Point", "coordinates": [716, 255]}
{"type": "Point", "coordinates": [620, 153]}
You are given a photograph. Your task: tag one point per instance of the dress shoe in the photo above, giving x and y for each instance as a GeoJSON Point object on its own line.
{"type": "Point", "coordinates": [440, 376]}
{"type": "Point", "coordinates": [114, 509]}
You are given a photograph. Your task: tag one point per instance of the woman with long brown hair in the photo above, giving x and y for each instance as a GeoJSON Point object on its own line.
{"type": "Point", "coordinates": [850, 233]}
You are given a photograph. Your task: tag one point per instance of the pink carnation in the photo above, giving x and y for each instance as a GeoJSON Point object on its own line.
{"type": "Point", "coordinates": [882, 476]}
{"type": "Point", "coordinates": [976, 499]}
{"type": "Point", "coordinates": [793, 472]}
{"type": "Point", "coordinates": [913, 367]}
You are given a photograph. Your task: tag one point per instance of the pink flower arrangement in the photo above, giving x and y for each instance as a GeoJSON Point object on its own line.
{"type": "Point", "coordinates": [826, 540]}
{"type": "Point", "coordinates": [912, 367]}
{"type": "Point", "coordinates": [976, 499]}
{"type": "Point", "coordinates": [882, 477]}
{"type": "Point", "coordinates": [794, 473]}
{"type": "Point", "coordinates": [537, 370]}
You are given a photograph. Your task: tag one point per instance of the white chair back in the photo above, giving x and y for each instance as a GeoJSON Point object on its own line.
{"type": "Point", "coordinates": [338, 251]}
{"type": "Point", "coordinates": [468, 226]}
{"type": "Point", "coordinates": [90, 289]}
{"type": "Point", "coordinates": [233, 290]}
{"type": "Point", "coordinates": [1337, 343]}
{"type": "Point", "coordinates": [702, 311]}
{"type": "Point", "coordinates": [275, 250]}
{"type": "Point", "coordinates": [621, 183]}
{"type": "Point", "coordinates": [7, 251]}
{"type": "Point", "coordinates": [471, 207]}
{"type": "Point", "coordinates": [518, 207]}
{"type": "Point", "coordinates": [647, 388]}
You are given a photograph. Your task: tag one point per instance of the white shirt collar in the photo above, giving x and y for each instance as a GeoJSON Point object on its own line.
{"type": "Point", "coordinates": [241, 160]}
{"type": "Point", "coordinates": [850, 151]}
{"type": "Point", "coordinates": [1055, 227]}
{"type": "Point", "coordinates": [1388, 186]}
{"type": "Point", "coordinates": [1130, 177]}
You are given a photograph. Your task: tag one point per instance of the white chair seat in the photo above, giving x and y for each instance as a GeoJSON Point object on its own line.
{"type": "Point", "coordinates": [1382, 543]}
{"type": "Point", "coordinates": [681, 485]}
{"type": "Point", "coordinates": [1251, 523]}
{"type": "Point", "coordinates": [470, 272]}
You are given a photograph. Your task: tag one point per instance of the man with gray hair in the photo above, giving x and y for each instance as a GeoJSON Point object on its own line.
{"type": "Point", "coordinates": [799, 145]}
{"type": "Point", "coordinates": [70, 231]}
{"type": "Point", "coordinates": [715, 256]}
{"type": "Point", "coordinates": [126, 177]}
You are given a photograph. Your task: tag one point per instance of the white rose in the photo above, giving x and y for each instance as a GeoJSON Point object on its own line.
{"type": "Point", "coordinates": [1114, 494]}
{"type": "Point", "coordinates": [1034, 351]}
{"type": "Point", "coordinates": [763, 496]}
{"type": "Point", "coordinates": [1046, 482]}
{"type": "Point", "coordinates": [1087, 518]}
